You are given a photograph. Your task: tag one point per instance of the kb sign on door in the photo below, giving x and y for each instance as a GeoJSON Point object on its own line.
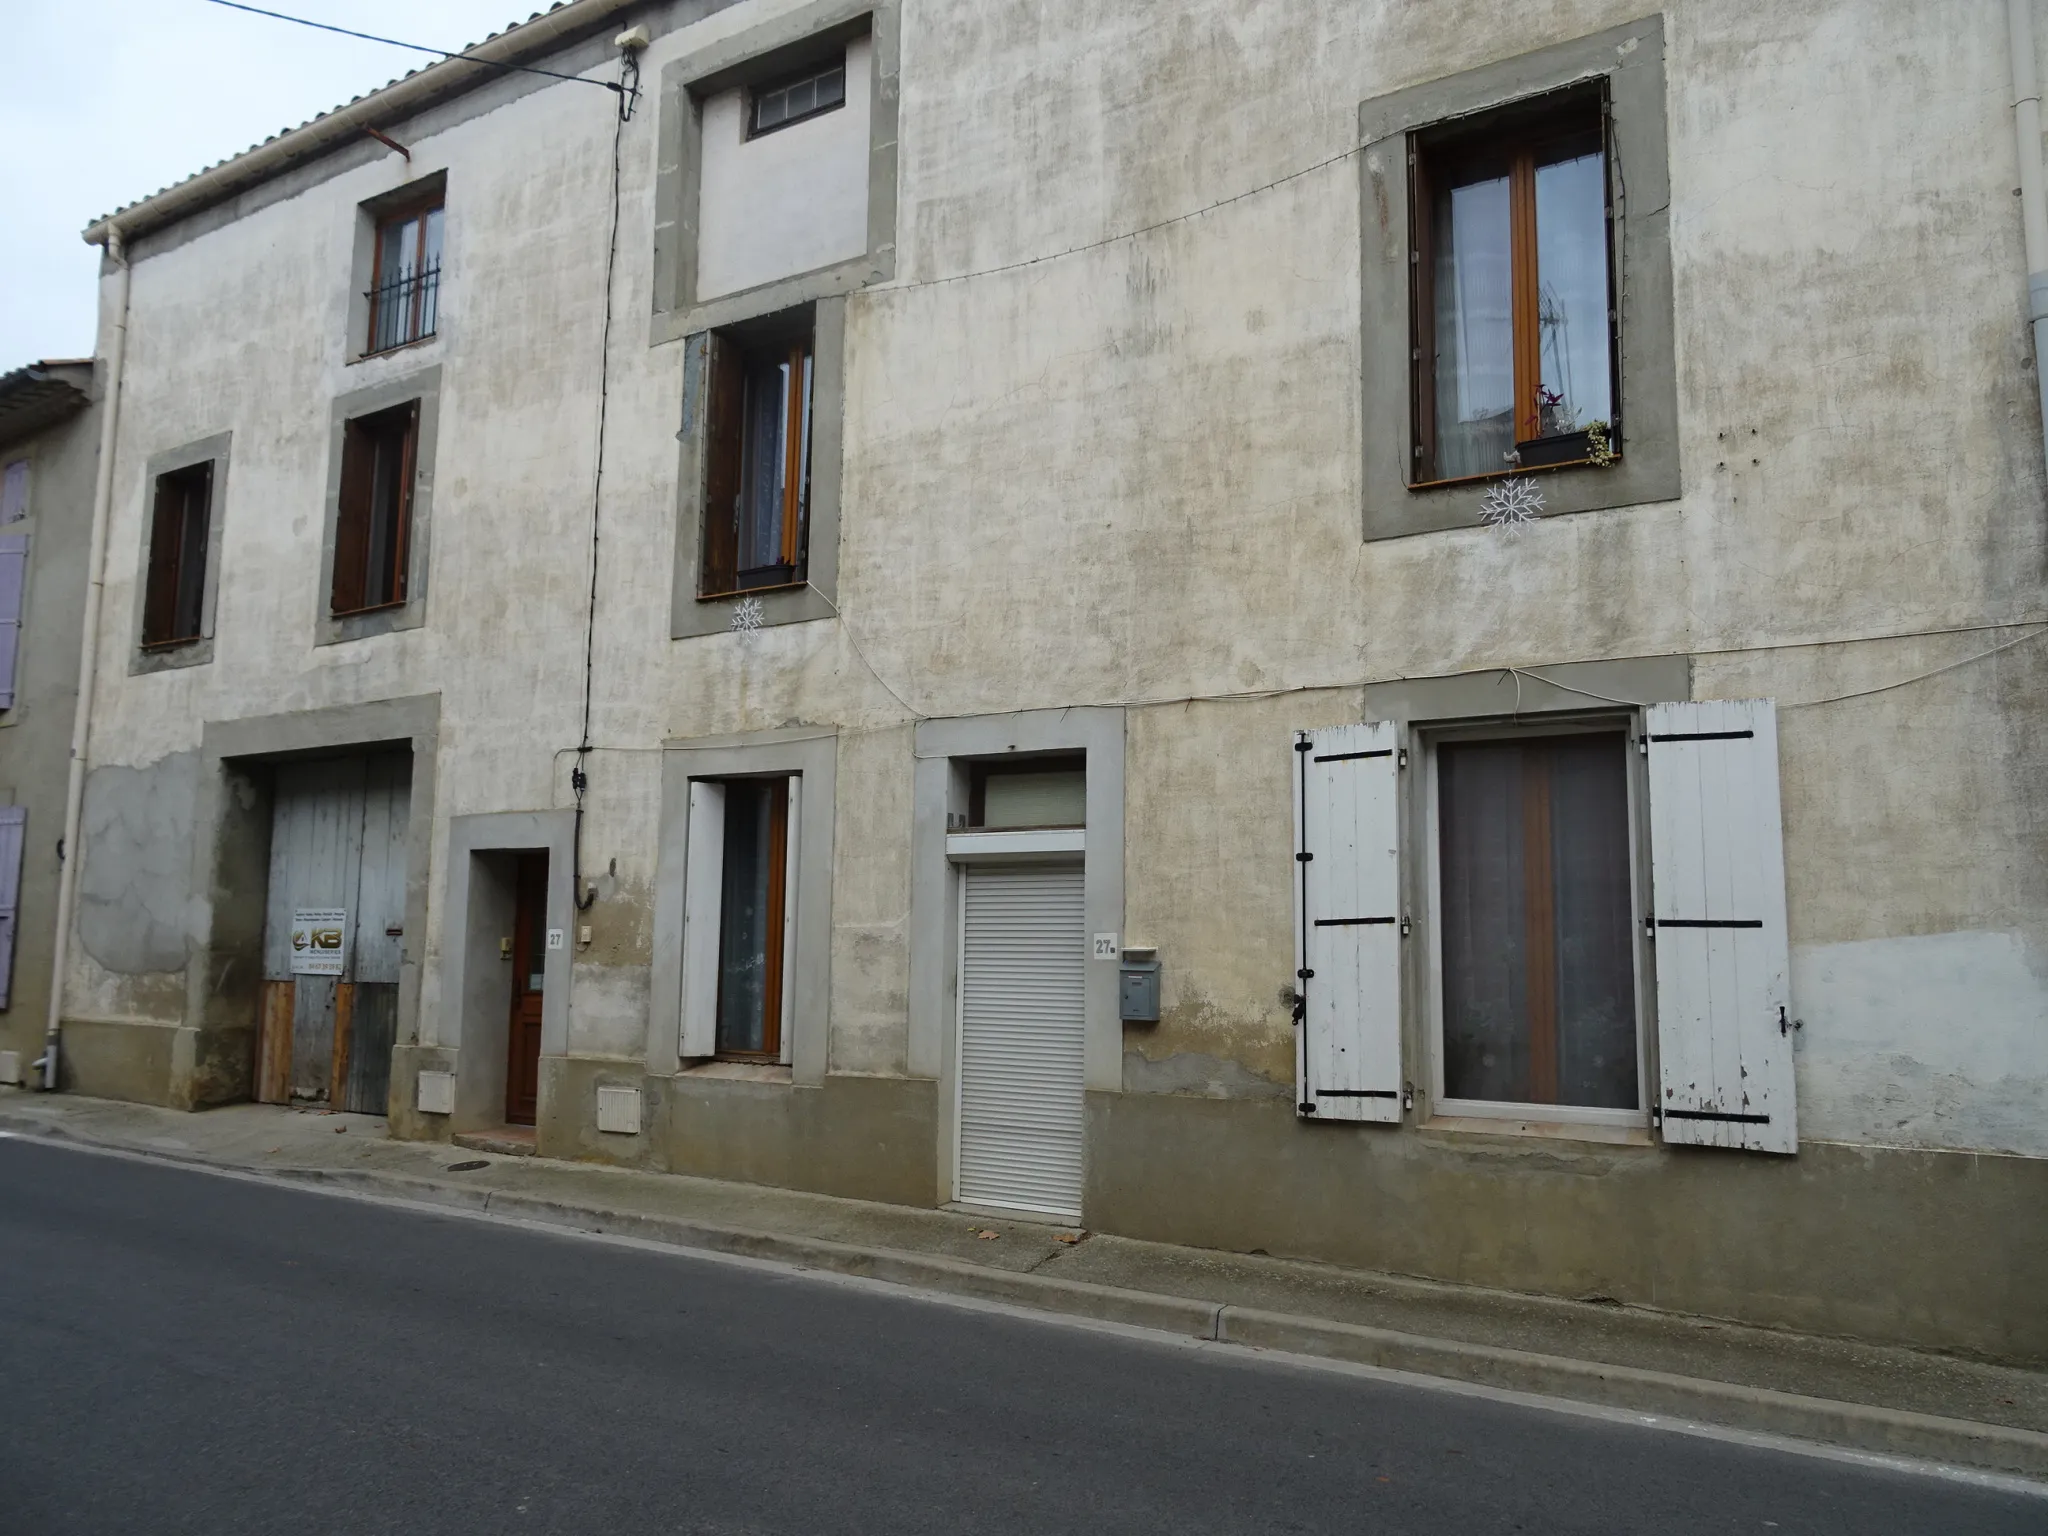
{"type": "Point", "coordinates": [319, 946]}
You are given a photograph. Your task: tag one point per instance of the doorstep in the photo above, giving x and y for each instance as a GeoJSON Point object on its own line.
{"type": "Point", "coordinates": [505, 1141]}
{"type": "Point", "coordinates": [1865, 1396]}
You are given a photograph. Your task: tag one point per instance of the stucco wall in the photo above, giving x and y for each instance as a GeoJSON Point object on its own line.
{"type": "Point", "coordinates": [1127, 473]}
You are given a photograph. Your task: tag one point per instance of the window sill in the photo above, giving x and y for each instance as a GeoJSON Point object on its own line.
{"type": "Point", "coordinates": [161, 647]}
{"type": "Point", "coordinates": [742, 592]}
{"type": "Point", "coordinates": [404, 346]}
{"type": "Point", "coordinates": [1543, 1130]}
{"type": "Point", "coordinates": [357, 613]}
{"type": "Point", "coordinates": [1507, 474]}
{"type": "Point", "coordinates": [739, 1071]}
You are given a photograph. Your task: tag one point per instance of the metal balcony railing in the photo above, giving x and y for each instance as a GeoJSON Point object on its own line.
{"type": "Point", "coordinates": [403, 307]}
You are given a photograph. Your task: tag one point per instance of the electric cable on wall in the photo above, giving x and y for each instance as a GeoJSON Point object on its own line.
{"type": "Point", "coordinates": [579, 780]}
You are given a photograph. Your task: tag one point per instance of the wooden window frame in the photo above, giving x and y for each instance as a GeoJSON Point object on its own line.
{"type": "Point", "coordinates": [1513, 137]}
{"type": "Point", "coordinates": [774, 959]}
{"type": "Point", "coordinates": [356, 513]}
{"type": "Point", "coordinates": [1635, 1120]}
{"type": "Point", "coordinates": [411, 333]}
{"type": "Point", "coordinates": [727, 415]}
{"type": "Point", "coordinates": [179, 495]}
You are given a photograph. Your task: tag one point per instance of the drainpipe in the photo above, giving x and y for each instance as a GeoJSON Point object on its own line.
{"type": "Point", "coordinates": [88, 652]}
{"type": "Point", "coordinates": [2026, 127]}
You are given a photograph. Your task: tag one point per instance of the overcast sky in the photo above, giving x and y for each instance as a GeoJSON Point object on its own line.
{"type": "Point", "coordinates": [109, 102]}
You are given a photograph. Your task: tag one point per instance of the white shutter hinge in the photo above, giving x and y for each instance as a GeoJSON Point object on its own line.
{"type": "Point", "coordinates": [1407, 1097]}
{"type": "Point", "coordinates": [1407, 923]}
{"type": "Point", "coordinates": [1650, 927]}
{"type": "Point", "coordinates": [1643, 745]}
{"type": "Point", "coordinates": [1401, 758]}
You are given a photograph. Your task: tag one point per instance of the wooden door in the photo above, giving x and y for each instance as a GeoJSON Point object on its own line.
{"type": "Point", "coordinates": [529, 964]}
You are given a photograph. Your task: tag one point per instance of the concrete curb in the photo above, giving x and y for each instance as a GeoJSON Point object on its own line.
{"type": "Point", "coordinates": [1856, 1426]}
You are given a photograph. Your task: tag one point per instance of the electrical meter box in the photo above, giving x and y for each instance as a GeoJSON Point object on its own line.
{"type": "Point", "coordinates": [1138, 993]}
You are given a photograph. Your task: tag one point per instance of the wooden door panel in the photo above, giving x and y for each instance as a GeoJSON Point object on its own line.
{"type": "Point", "coordinates": [274, 1043]}
{"type": "Point", "coordinates": [366, 1090]}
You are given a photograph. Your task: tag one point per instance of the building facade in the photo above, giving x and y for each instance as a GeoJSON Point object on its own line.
{"type": "Point", "coordinates": [49, 451]}
{"type": "Point", "coordinates": [1316, 628]}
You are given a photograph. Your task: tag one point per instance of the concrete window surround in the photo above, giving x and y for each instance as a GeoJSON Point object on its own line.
{"type": "Point", "coordinates": [186, 653]}
{"type": "Point", "coordinates": [812, 755]}
{"type": "Point", "coordinates": [231, 850]}
{"type": "Point", "coordinates": [817, 598]}
{"type": "Point", "coordinates": [1631, 58]}
{"type": "Point", "coordinates": [1490, 705]}
{"type": "Point", "coordinates": [470, 1024]}
{"type": "Point", "coordinates": [425, 387]}
{"type": "Point", "coordinates": [419, 192]}
{"type": "Point", "coordinates": [945, 751]}
{"type": "Point", "coordinates": [769, 48]}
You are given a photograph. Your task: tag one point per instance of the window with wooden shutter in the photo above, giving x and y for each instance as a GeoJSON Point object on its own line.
{"type": "Point", "coordinates": [757, 457]}
{"type": "Point", "coordinates": [13, 587]}
{"type": "Point", "coordinates": [13, 827]}
{"type": "Point", "coordinates": [373, 522]}
{"type": "Point", "coordinates": [14, 491]}
{"type": "Point", "coordinates": [175, 583]}
{"type": "Point", "coordinates": [1348, 922]}
{"type": "Point", "coordinates": [1724, 1005]}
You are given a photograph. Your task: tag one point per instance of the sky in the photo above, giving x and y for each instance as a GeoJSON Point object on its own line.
{"type": "Point", "coordinates": [112, 101]}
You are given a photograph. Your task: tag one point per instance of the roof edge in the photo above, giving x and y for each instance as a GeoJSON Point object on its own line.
{"type": "Point", "coordinates": [386, 105]}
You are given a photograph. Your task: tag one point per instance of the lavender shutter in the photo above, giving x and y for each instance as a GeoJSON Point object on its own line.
{"type": "Point", "coordinates": [13, 576]}
{"type": "Point", "coordinates": [13, 823]}
{"type": "Point", "coordinates": [14, 492]}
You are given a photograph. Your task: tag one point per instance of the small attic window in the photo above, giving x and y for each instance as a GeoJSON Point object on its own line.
{"type": "Point", "coordinates": [790, 99]}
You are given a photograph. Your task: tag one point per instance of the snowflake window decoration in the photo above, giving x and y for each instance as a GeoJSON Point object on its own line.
{"type": "Point", "coordinates": [1511, 503]}
{"type": "Point", "coordinates": [747, 614]}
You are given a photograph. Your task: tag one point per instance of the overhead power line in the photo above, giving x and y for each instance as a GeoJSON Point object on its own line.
{"type": "Point", "coordinates": [465, 55]}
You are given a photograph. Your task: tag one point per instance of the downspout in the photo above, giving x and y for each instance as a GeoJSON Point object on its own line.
{"type": "Point", "coordinates": [88, 654]}
{"type": "Point", "coordinates": [2026, 127]}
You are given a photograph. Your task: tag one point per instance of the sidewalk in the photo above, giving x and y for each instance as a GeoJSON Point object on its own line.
{"type": "Point", "coordinates": [1862, 1396]}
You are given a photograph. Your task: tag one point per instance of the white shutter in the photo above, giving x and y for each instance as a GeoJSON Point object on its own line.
{"type": "Point", "coordinates": [1023, 959]}
{"type": "Point", "coordinates": [703, 893]}
{"type": "Point", "coordinates": [1717, 876]}
{"type": "Point", "coordinates": [1347, 918]}
{"type": "Point", "coordinates": [795, 788]}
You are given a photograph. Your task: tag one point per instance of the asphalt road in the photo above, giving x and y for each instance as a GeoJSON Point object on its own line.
{"type": "Point", "coordinates": [186, 1353]}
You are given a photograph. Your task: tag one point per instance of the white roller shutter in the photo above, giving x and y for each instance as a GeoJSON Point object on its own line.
{"type": "Point", "coordinates": [1023, 950]}
{"type": "Point", "coordinates": [703, 894]}
{"type": "Point", "coordinates": [1347, 918]}
{"type": "Point", "coordinates": [1717, 858]}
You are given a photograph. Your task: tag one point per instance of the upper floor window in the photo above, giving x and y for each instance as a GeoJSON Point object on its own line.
{"type": "Point", "coordinates": [173, 609]}
{"type": "Point", "coordinates": [757, 482]}
{"type": "Point", "coordinates": [792, 98]}
{"type": "Point", "coordinates": [1513, 308]}
{"type": "Point", "coordinates": [373, 523]}
{"type": "Point", "coordinates": [405, 279]}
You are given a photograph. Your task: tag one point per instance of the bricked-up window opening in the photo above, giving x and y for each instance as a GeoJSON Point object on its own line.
{"type": "Point", "coordinates": [758, 465]}
{"type": "Point", "coordinates": [752, 902]}
{"type": "Point", "coordinates": [1538, 941]}
{"type": "Point", "coordinates": [372, 532]}
{"type": "Point", "coordinates": [174, 601]}
{"type": "Point", "coordinates": [1512, 307]}
{"type": "Point", "coordinates": [1031, 795]}
{"type": "Point", "coordinates": [405, 283]}
{"type": "Point", "coordinates": [818, 89]}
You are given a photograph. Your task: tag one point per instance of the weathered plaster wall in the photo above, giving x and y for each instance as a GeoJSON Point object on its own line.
{"type": "Point", "coordinates": [1129, 474]}
{"type": "Point", "coordinates": [789, 201]}
{"type": "Point", "coordinates": [35, 734]}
